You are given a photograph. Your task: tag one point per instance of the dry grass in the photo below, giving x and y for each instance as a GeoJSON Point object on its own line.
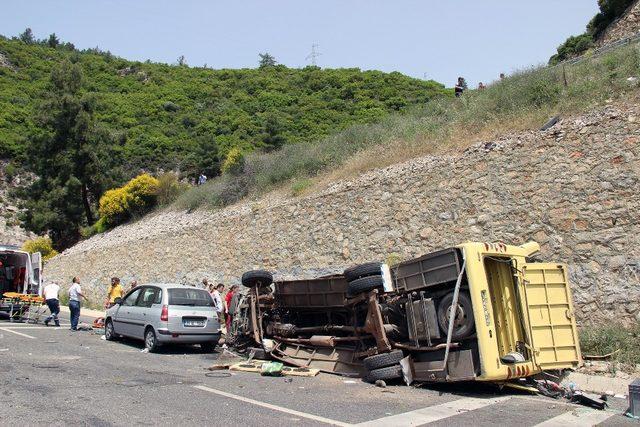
{"type": "Point", "coordinates": [525, 100]}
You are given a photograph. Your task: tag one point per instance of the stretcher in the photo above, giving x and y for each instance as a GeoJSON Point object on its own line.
{"type": "Point", "coordinates": [23, 307]}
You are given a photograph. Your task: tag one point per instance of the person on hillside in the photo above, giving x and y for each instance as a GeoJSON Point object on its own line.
{"type": "Point", "coordinates": [75, 296]}
{"type": "Point", "coordinates": [481, 86]}
{"type": "Point", "coordinates": [461, 86]}
{"type": "Point", "coordinates": [115, 291]}
{"type": "Point", "coordinates": [231, 301]}
{"type": "Point", "coordinates": [202, 179]}
{"type": "Point", "coordinates": [50, 294]}
{"type": "Point", "coordinates": [218, 304]}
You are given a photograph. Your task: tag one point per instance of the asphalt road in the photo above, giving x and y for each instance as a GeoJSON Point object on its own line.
{"type": "Point", "coordinates": [54, 376]}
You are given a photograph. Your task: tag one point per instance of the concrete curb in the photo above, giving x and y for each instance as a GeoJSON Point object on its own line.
{"type": "Point", "coordinates": [85, 312]}
{"type": "Point", "coordinates": [598, 383]}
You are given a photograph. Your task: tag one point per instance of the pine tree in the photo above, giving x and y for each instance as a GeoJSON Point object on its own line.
{"type": "Point", "coordinates": [53, 41]}
{"type": "Point", "coordinates": [27, 36]}
{"type": "Point", "coordinates": [70, 159]}
{"type": "Point", "coordinates": [267, 60]}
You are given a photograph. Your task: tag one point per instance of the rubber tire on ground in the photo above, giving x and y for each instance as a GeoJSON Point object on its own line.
{"type": "Point", "coordinates": [208, 347]}
{"type": "Point", "coordinates": [388, 373]}
{"type": "Point", "coordinates": [254, 277]}
{"type": "Point", "coordinates": [383, 360]}
{"type": "Point", "coordinates": [468, 325]}
{"type": "Point", "coordinates": [109, 336]}
{"type": "Point", "coordinates": [153, 347]}
{"type": "Point", "coordinates": [364, 284]}
{"type": "Point", "coordinates": [363, 270]}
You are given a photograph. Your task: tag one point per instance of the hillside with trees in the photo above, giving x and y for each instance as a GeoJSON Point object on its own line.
{"type": "Point", "coordinates": [84, 122]}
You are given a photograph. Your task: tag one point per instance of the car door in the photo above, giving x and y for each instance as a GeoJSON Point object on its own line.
{"type": "Point", "coordinates": [123, 317]}
{"type": "Point", "coordinates": [143, 313]}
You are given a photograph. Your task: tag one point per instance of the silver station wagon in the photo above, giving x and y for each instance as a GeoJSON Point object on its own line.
{"type": "Point", "coordinates": [165, 314]}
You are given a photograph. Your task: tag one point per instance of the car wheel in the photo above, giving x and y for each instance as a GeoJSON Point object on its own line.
{"type": "Point", "coordinates": [363, 270]}
{"type": "Point", "coordinates": [257, 277]}
{"type": "Point", "coordinates": [464, 323]}
{"type": "Point", "coordinates": [388, 373]}
{"type": "Point", "coordinates": [208, 347]}
{"type": "Point", "coordinates": [364, 284]}
{"type": "Point", "coordinates": [383, 360]}
{"type": "Point", "coordinates": [150, 340]}
{"type": "Point", "coordinates": [109, 332]}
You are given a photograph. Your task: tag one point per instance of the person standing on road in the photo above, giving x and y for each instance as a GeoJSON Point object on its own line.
{"type": "Point", "coordinates": [75, 293]}
{"type": "Point", "coordinates": [217, 301]}
{"type": "Point", "coordinates": [51, 292]}
{"type": "Point", "coordinates": [133, 285]}
{"type": "Point", "coordinates": [115, 291]}
{"type": "Point", "coordinates": [231, 309]}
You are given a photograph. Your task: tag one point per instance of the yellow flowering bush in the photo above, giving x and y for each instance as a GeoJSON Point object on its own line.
{"type": "Point", "coordinates": [42, 245]}
{"type": "Point", "coordinates": [134, 198]}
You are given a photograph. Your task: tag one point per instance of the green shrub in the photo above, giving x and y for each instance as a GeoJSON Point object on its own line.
{"type": "Point", "coordinates": [233, 162]}
{"type": "Point", "coordinates": [170, 188]}
{"type": "Point", "coordinates": [44, 245]}
{"type": "Point", "coordinates": [572, 47]}
{"type": "Point", "coordinates": [598, 340]}
{"type": "Point", "coordinates": [299, 187]}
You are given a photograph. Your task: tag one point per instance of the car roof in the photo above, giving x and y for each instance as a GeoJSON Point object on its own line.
{"type": "Point", "coordinates": [168, 285]}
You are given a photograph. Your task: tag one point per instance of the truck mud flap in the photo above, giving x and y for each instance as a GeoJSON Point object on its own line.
{"type": "Point", "coordinates": [339, 361]}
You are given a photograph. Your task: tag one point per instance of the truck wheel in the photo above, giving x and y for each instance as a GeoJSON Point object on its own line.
{"type": "Point", "coordinates": [464, 324]}
{"type": "Point", "coordinates": [257, 277]}
{"type": "Point", "coordinates": [363, 270]}
{"type": "Point", "coordinates": [388, 373]}
{"type": "Point", "coordinates": [364, 284]}
{"type": "Point", "coordinates": [383, 360]}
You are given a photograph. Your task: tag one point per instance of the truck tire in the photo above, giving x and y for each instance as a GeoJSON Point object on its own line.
{"type": "Point", "coordinates": [364, 284]}
{"type": "Point", "coordinates": [257, 277]}
{"type": "Point", "coordinates": [383, 360]}
{"type": "Point", "coordinates": [363, 270]}
{"type": "Point", "coordinates": [464, 323]}
{"type": "Point", "coordinates": [388, 373]}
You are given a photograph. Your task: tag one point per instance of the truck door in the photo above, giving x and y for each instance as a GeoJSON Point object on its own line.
{"type": "Point", "coordinates": [36, 281]}
{"type": "Point", "coordinates": [551, 319]}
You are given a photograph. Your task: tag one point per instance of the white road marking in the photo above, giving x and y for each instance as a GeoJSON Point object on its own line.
{"type": "Point", "coordinates": [53, 328]}
{"type": "Point", "coordinates": [274, 407]}
{"type": "Point", "coordinates": [434, 413]}
{"type": "Point", "coordinates": [578, 417]}
{"type": "Point", "coordinates": [17, 333]}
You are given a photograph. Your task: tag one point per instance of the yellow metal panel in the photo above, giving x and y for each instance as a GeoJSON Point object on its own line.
{"type": "Point", "coordinates": [551, 319]}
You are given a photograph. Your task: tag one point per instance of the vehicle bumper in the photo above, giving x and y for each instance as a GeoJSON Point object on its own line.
{"type": "Point", "coordinates": [165, 336]}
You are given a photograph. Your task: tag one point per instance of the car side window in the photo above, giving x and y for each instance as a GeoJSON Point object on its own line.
{"type": "Point", "coordinates": [130, 300]}
{"type": "Point", "coordinates": [158, 299]}
{"type": "Point", "coordinates": [147, 297]}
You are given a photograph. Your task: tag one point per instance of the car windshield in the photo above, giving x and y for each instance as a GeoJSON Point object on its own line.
{"type": "Point", "coordinates": [193, 297]}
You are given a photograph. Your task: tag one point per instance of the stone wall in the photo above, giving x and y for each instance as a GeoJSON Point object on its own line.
{"type": "Point", "coordinates": [626, 26]}
{"type": "Point", "coordinates": [573, 188]}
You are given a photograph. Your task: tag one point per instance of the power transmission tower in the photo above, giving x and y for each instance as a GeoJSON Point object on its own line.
{"type": "Point", "coordinates": [314, 54]}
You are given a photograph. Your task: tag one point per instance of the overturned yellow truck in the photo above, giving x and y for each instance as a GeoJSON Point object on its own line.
{"type": "Point", "coordinates": [473, 312]}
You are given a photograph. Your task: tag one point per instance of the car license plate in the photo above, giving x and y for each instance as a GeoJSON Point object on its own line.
{"type": "Point", "coordinates": [193, 323]}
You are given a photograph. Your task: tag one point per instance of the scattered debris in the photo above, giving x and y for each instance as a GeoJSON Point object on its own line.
{"type": "Point", "coordinates": [218, 374]}
{"type": "Point", "coordinates": [381, 384]}
{"type": "Point", "coordinates": [257, 367]}
{"type": "Point", "coordinates": [144, 350]}
{"type": "Point", "coordinates": [271, 369]}
{"type": "Point", "coordinates": [589, 399]}
{"type": "Point", "coordinates": [551, 123]}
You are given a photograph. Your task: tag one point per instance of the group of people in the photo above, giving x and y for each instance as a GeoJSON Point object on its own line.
{"type": "Point", "coordinates": [225, 306]}
{"type": "Point", "coordinates": [461, 85]}
{"type": "Point", "coordinates": [51, 294]}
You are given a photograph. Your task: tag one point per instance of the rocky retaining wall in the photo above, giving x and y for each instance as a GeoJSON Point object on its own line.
{"type": "Point", "coordinates": [573, 188]}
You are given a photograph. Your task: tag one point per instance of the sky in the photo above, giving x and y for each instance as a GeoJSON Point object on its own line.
{"type": "Point", "coordinates": [430, 39]}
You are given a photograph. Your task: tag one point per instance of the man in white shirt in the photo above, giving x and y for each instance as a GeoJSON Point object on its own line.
{"type": "Point", "coordinates": [75, 293]}
{"type": "Point", "coordinates": [51, 298]}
